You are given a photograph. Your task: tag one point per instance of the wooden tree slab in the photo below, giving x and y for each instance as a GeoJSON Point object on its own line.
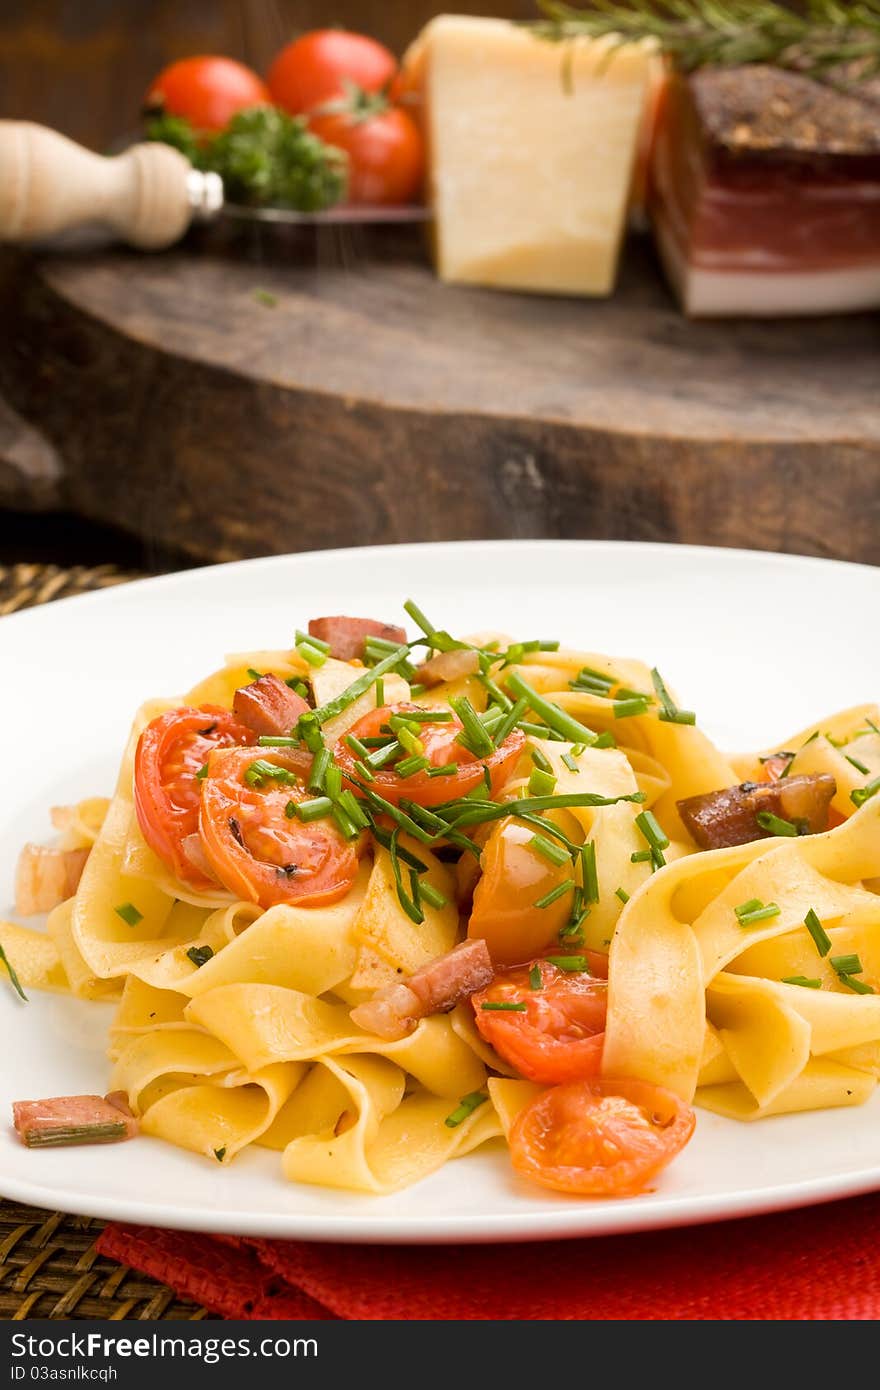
{"type": "Point", "coordinates": [366, 402]}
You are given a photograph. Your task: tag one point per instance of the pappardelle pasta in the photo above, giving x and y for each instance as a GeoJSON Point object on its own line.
{"type": "Point", "coordinates": [375, 901]}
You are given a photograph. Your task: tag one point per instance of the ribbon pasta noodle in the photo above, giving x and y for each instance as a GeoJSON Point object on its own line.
{"type": "Point", "coordinates": [521, 792]}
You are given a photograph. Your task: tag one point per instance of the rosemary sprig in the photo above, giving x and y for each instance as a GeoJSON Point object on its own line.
{"type": "Point", "coordinates": [826, 34]}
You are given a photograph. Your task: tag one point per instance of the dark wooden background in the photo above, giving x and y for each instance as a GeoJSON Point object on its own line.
{"type": "Point", "coordinates": [83, 66]}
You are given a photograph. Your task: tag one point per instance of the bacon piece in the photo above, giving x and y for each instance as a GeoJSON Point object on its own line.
{"type": "Point", "coordinates": [46, 877]}
{"type": "Point", "coordinates": [74, 1120]}
{"type": "Point", "coordinates": [347, 636]}
{"type": "Point", "coordinates": [434, 989]}
{"type": "Point", "coordinates": [448, 666]}
{"type": "Point", "coordinates": [723, 818]}
{"type": "Point", "coordinates": [268, 706]}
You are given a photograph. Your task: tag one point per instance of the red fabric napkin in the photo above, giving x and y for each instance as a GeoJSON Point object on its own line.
{"type": "Point", "coordinates": [819, 1263]}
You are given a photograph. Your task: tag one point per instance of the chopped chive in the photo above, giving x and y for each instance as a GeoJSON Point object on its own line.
{"type": "Point", "coordinates": [553, 715]}
{"type": "Point", "coordinates": [570, 963]}
{"type": "Point", "coordinates": [540, 731]}
{"type": "Point", "coordinates": [670, 713]}
{"type": "Point", "coordinates": [310, 653]}
{"type": "Point", "coordinates": [363, 771]}
{"type": "Point", "coordinates": [776, 824]}
{"type": "Point", "coordinates": [747, 914]}
{"type": "Point", "coordinates": [622, 894]}
{"type": "Point", "coordinates": [394, 813]}
{"type": "Point", "coordinates": [410, 742]}
{"type": "Point", "coordinates": [555, 853]}
{"type": "Point", "coordinates": [447, 770]}
{"type": "Point", "coordinates": [656, 836]}
{"type": "Point", "coordinates": [803, 980]}
{"type": "Point", "coordinates": [298, 686]}
{"type": "Point", "coordinates": [821, 939]}
{"type": "Point", "coordinates": [333, 781]}
{"type": "Point", "coordinates": [541, 760]}
{"type": "Point", "coordinates": [860, 795]}
{"type": "Point", "coordinates": [419, 618]}
{"type": "Point", "coordinates": [495, 692]}
{"type": "Point", "coordinates": [290, 810]}
{"type": "Point", "coordinates": [511, 719]}
{"type": "Point", "coordinates": [408, 767]}
{"type": "Point", "coordinates": [474, 734]}
{"type": "Point", "coordinates": [475, 815]}
{"type": "Point", "coordinates": [593, 682]}
{"type": "Point", "coordinates": [202, 772]}
{"type": "Point", "coordinates": [589, 872]}
{"type": "Point", "coordinates": [466, 1106]}
{"type": "Point", "coordinates": [13, 977]}
{"type": "Point", "coordinates": [220, 1154]}
{"type": "Point", "coordinates": [262, 771]}
{"type": "Point", "coordinates": [499, 1006]}
{"type": "Point", "coordinates": [254, 675]}
{"type": "Point", "coordinates": [308, 729]}
{"type": "Point", "coordinates": [857, 986]}
{"type": "Point", "coordinates": [344, 824]}
{"type": "Point", "coordinates": [129, 914]}
{"type": "Point", "coordinates": [356, 747]}
{"type": "Point", "coordinates": [846, 965]}
{"type": "Point", "coordinates": [380, 693]}
{"type": "Point", "coordinates": [571, 934]}
{"type": "Point", "coordinates": [313, 810]}
{"type": "Point", "coordinates": [642, 856]}
{"type": "Point", "coordinates": [536, 979]}
{"type": "Point", "coordinates": [409, 904]}
{"type": "Point", "coordinates": [541, 783]}
{"type": "Point", "coordinates": [628, 709]}
{"type": "Point", "coordinates": [415, 717]}
{"type": "Point", "coordinates": [278, 741]}
{"type": "Point", "coordinates": [432, 896]}
{"type": "Point", "coordinates": [320, 766]}
{"type": "Point", "coordinates": [569, 761]}
{"type": "Point", "coordinates": [555, 893]}
{"type": "Point", "coordinates": [606, 740]}
{"type": "Point", "coordinates": [859, 767]}
{"type": "Point", "coordinates": [353, 809]}
{"type": "Point", "coordinates": [199, 955]}
{"type": "Point", "coordinates": [384, 755]}
{"type": "Point", "coordinates": [317, 642]}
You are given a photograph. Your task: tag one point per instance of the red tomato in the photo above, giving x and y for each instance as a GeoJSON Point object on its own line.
{"type": "Point", "coordinates": [559, 1034]}
{"type": "Point", "coordinates": [386, 153]}
{"type": "Point", "coordinates": [441, 748]}
{"type": "Point", "coordinates": [599, 1138]}
{"type": "Point", "coordinates": [171, 751]}
{"type": "Point", "coordinates": [513, 875]}
{"type": "Point", "coordinates": [259, 852]}
{"type": "Point", "coordinates": [318, 66]}
{"type": "Point", "coordinates": [207, 92]}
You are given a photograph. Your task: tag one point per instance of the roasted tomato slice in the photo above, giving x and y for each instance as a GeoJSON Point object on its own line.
{"type": "Point", "coordinates": [171, 752]}
{"type": "Point", "coordinates": [546, 1022]}
{"type": "Point", "coordinates": [439, 741]}
{"type": "Point", "coordinates": [253, 841]}
{"type": "Point", "coordinates": [606, 1137]}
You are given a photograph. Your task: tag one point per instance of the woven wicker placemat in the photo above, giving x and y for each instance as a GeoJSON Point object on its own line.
{"type": "Point", "coordinates": [49, 1267]}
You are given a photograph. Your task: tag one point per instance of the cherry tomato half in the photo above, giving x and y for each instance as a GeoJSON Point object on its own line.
{"type": "Point", "coordinates": [171, 752]}
{"type": "Point", "coordinates": [257, 847]}
{"type": "Point", "coordinates": [441, 748]}
{"type": "Point", "coordinates": [556, 1031]}
{"type": "Point", "coordinates": [207, 91]}
{"type": "Point", "coordinates": [606, 1137]}
{"type": "Point", "coordinates": [514, 876]}
{"type": "Point", "coordinates": [318, 67]}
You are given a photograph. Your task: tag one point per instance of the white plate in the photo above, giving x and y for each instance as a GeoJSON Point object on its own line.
{"type": "Point", "coordinates": [758, 644]}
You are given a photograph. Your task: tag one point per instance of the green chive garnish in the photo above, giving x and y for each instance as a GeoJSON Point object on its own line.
{"type": "Point", "coordinates": [569, 761]}
{"type": "Point", "coordinates": [290, 810]}
{"type": "Point", "coordinates": [363, 771]}
{"type": "Point", "coordinates": [622, 894]}
{"type": "Point", "coordinates": [317, 642]}
{"type": "Point", "coordinates": [755, 911]}
{"type": "Point", "coordinates": [220, 1154]}
{"type": "Point", "coordinates": [555, 853]}
{"type": "Point", "coordinates": [474, 734]}
{"type": "Point", "coordinates": [322, 761]}
{"type": "Point", "coordinates": [846, 965]}
{"type": "Point", "coordinates": [380, 693]}
{"type": "Point", "coordinates": [804, 981]}
{"type": "Point", "coordinates": [541, 783]}
{"type": "Point", "coordinates": [202, 772]}
{"type": "Point", "coordinates": [13, 977]}
{"type": "Point", "coordinates": [628, 709]}
{"type": "Point", "coordinates": [553, 715]}
{"type": "Point", "coordinates": [313, 810]}
{"type": "Point", "coordinates": [541, 760]}
{"type": "Point", "coordinates": [310, 653]}
{"type": "Point", "coordinates": [298, 686]}
{"type": "Point", "coordinates": [536, 979]}
{"type": "Point", "coordinates": [857, 986]}
{"type": "Point", "coordinates": [129, 914]}
{"type": "Point", "coordinates": [408, 767]}
{"type": "Point", "coordinates": [447, 770]}
{"type": "Point", "coordinates": [859, 767]}
{"type": "Point", "coordinates": [466, 1106]}
{"type": "Point", "coordinates": [589, 872]}
{"type": "Point", "coordinates": [254, 675]}
{"type": "Point", "coordinates": [670, 713]}
{"type": "Point", "coordinates": [775, 824]}
{"type": "Point", "coordinates": [357, 688]}
{"type": "Point", "coordinates": [432, 896]}
{"type": "Point", "coordinates": [510, 721]}
{"type": "Point", "coordinates": [860, 795]}
{"type": "Point", "coordinates": [570, 963]}
{"type": "Point", "coordinates": [821, 939]}
{"type": "Point", "coordinates": [496, 1006]}
{"type": "Point", "coordinates": [555, 893]}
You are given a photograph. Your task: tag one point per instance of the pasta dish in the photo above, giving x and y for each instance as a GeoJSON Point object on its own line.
{"type": "Point", "coordinates": [375, 901]}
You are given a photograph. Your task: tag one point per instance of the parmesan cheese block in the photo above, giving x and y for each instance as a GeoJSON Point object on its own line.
{"type": "Point", "coordinates": [531, 148]}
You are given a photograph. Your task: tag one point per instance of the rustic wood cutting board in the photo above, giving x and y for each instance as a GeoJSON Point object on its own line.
{"type": "Point", "coordinates": [326, 390]}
